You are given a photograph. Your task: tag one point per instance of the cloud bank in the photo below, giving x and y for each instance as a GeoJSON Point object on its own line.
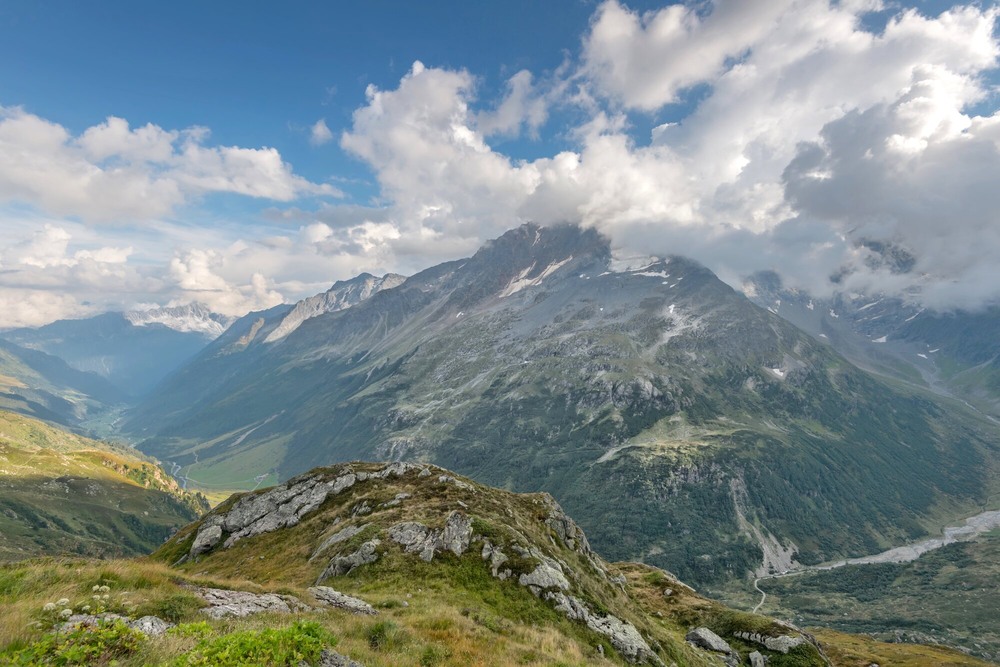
{"type": "Point", "coordinates": [787, 135]}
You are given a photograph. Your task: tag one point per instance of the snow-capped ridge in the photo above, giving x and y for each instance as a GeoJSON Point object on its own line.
{"type": "Point", "coordinates": [190, 318]}
{"type": "Point", "coordinates": [343, 294]}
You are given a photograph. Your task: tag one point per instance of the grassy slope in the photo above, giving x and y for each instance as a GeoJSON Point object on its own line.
{"type": "Point", "coordinates": [63, 493]}
{"type": "Point", "coordinates": [448, 612]}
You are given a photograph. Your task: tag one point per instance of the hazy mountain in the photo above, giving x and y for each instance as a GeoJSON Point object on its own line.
{"type": "Point", "coordinates": [43, 386]}
{"type": "Point", "coordinates": [680, 423]}
{"type": "Point", "coordinates": [953, 353]}
{"type": "Point", "coordinates": [64, 494]}
{"type": "Point", "coordinates": [134, 350]}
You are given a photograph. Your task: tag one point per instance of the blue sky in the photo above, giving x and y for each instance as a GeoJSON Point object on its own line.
{"type": "Point", "coordinates": [258, 152]}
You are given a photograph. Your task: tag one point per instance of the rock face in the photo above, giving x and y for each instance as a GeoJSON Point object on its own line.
{"type": "Point", "coordinates": [340, 536]}
{"type": "Point", "coordinates": [223, 603]}
{"type": "Point", "coordinates": [708, 640]}
{"type": "Point", "coordinates": [282, 506]}
{"type": "Point", "coordinates": [341, 565]}
{"type": "Point", "coordinates": [779, 644]}
{"type": "Point", "coordinates": [419, 539]}
{"type": "Point", "coordinates": [623, 636]}
{"type": "Point", "coordinates": [327, 596]}
{"type": "Point", "coordinates": [757, 660]}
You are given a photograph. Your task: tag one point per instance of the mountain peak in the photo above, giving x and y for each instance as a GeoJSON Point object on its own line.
{"type": "Point", "coordinates": [189, 318]}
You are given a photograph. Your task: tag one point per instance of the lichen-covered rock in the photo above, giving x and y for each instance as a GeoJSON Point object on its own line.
{"type": "Point", "coordinates": [341, 535]}
{"type": "Point", "coordinates": [780, 644]}
{"type": "Point", "coordinates": [708, 640]}
{"type": "Point", "coordinates": [207, 538]}
{"type": "Point", "coordinates": [546, 575]}
{"type": "Point", "coordinates": [496, 559]}
{"type": "Point", "coordinates": [623, 635]}
{"type": "Point", "coordinates": [151, 626]}
{"type": "Point", "coordinates": [757, 660]}
{"type": "Point", "coordinates": [340, 565]}
{"type": "Point", "coordinates": [329, 597]}
{"type": "Point", "coordinates": [223, 603]}
{"type": "Point", "coordinates": [329, 658]}
{"type": "Point", "coordinates": [419, 539]}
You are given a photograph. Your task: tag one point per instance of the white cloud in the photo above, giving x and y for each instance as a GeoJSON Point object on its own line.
{"type": "Point", "coordinates": [319, 133]}
{"type": "Point", "coordinates": [195, 273]}
{"type": "Point", "coordinates": [113, 173]}
{"type": "Point", "coordinates": [645, 61]}
{"type": "Point", "coordinates": [523, 105]}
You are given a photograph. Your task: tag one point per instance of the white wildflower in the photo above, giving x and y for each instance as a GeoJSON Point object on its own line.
{"type": "Point", "coordinates": [62, 602]}
{"type": "Point", "coordinates": [95, 588]}
{"type": "Point", "coordinates": [49, 606]}
{"type": "Point", "coordinates": [66, 613]}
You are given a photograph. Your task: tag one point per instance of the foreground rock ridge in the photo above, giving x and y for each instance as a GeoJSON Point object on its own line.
{"type": "Point", "coordinates": [353, 522]}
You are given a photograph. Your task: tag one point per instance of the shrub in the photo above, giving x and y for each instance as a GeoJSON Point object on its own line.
{"type": "Point", "coordinates": [385, 636]}
{"type": "Point", "coordinates": [301, 641]}
{"type": "Point", "coordinates": [84, 645]}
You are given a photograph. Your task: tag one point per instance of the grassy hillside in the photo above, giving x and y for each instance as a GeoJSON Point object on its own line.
{"type": "Point", "coordinates": [61, 493]}
{"type": "Point", "coordinates": [45, 387]}
{"type": "Point", "coordinates": [456, 608]}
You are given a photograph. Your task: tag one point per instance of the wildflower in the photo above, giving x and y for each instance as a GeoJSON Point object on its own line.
{"type": "Point", "coordinates": [104, 589]}
{"type": "Point", "coordinates": [66, 613]}
{"type": "Point", "coordinates": [85, 608]}
{"type": "Point", "coordinates": [62, 602]}
{"type": "Point", "coordinates": [49, 606]}
{"type": "Point", "coordinates": [104, 597]}
{"type": "Point", "coordinates": [95, 588]}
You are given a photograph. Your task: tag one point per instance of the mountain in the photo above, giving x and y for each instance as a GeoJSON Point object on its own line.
{"type": "Point", "coordinates": [677, 421]}
{"type": "Point", "coordinates": [134, 350]}
{"type": "Point", "coordinates": [954, 353]}
{"type": "Point", "coordinates": [343, 294]}
{"type": "Point", "coordinates": [396, 564]}
{"type": "Point", "coordinates": [40, 385]}
{"type": "Point", "coordinates": [64, 494]}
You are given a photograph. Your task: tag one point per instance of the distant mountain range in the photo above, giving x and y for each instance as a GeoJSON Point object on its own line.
{"type": "Point", "coordinates": [133, 350]}
{"type": "Point", "coordinates": [954, 354]}
{"type": "Point", "coordinates": [679, 422]}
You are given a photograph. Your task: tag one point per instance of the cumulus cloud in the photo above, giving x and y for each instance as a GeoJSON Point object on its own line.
{"type": "Point", "coordinates": [319, 133]}
{"type": "Point", "coordinates": [522, 106]}
{"type": "Point", "coordinates": [718, 185]}
{"type": "Point", "coordinates": [112, 172]}
{"type": "Point", "coordinates": [195, 273]}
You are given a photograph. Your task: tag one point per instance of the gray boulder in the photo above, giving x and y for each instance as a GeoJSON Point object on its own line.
{"type": "Point", "coordinates": [419, 539]}
{"type": "Point", "coordinates": [223, 603]}
{"type": "Point", "coordinates": [329, 658]}
{"type": "Point", "coordinates": [340, 565]}
{"type": "Point", "coordinates": [708, 640]}
{"type": "Point", "coordinates": [329, 597]}
{"type": "Point", "coordinates": [757, 660]}
{"type": "Point", "coordinates": [207, 538]}
{"type": "Point", "coordinates": [340, 536]}
{"type": "Point", "coordinates": [151, 626]}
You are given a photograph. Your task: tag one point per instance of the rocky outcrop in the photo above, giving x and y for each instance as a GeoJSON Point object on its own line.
{"type": "Point", "coordinates": [340, 536]}
{"type": "Point", "coordinates": [341, 565]}
{"type": "Point", "coordinates": [151, 626]}
{"type": "Point", "coordinates": [419, 539]}
{"type": "Point", "coordinates": [757, 660]}
{"type": "Point", "coordinates": [779, 644]}
{"type": "Point", "coordinates": [622, 635]}
{"type": "Point", "coordinates": [206, 539]}
{"type": "Point", "coordinates": [547, 574]}
{"type": "Point", "coordinates": [706, 639]}
{"type": "Point", "coordinates": [223, 603]}
{"type": "Point", "coordinates": [284, 505]}
{"type": "Point", "coordinates": [331, 598]}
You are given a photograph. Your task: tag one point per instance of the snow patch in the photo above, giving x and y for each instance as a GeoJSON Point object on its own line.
{"type": "Point", "coordinates": [522, 281]}
{"type": "Point", "coordinates": [880, 339]}
{"type": "Point", "coordinates": [810, 305]}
